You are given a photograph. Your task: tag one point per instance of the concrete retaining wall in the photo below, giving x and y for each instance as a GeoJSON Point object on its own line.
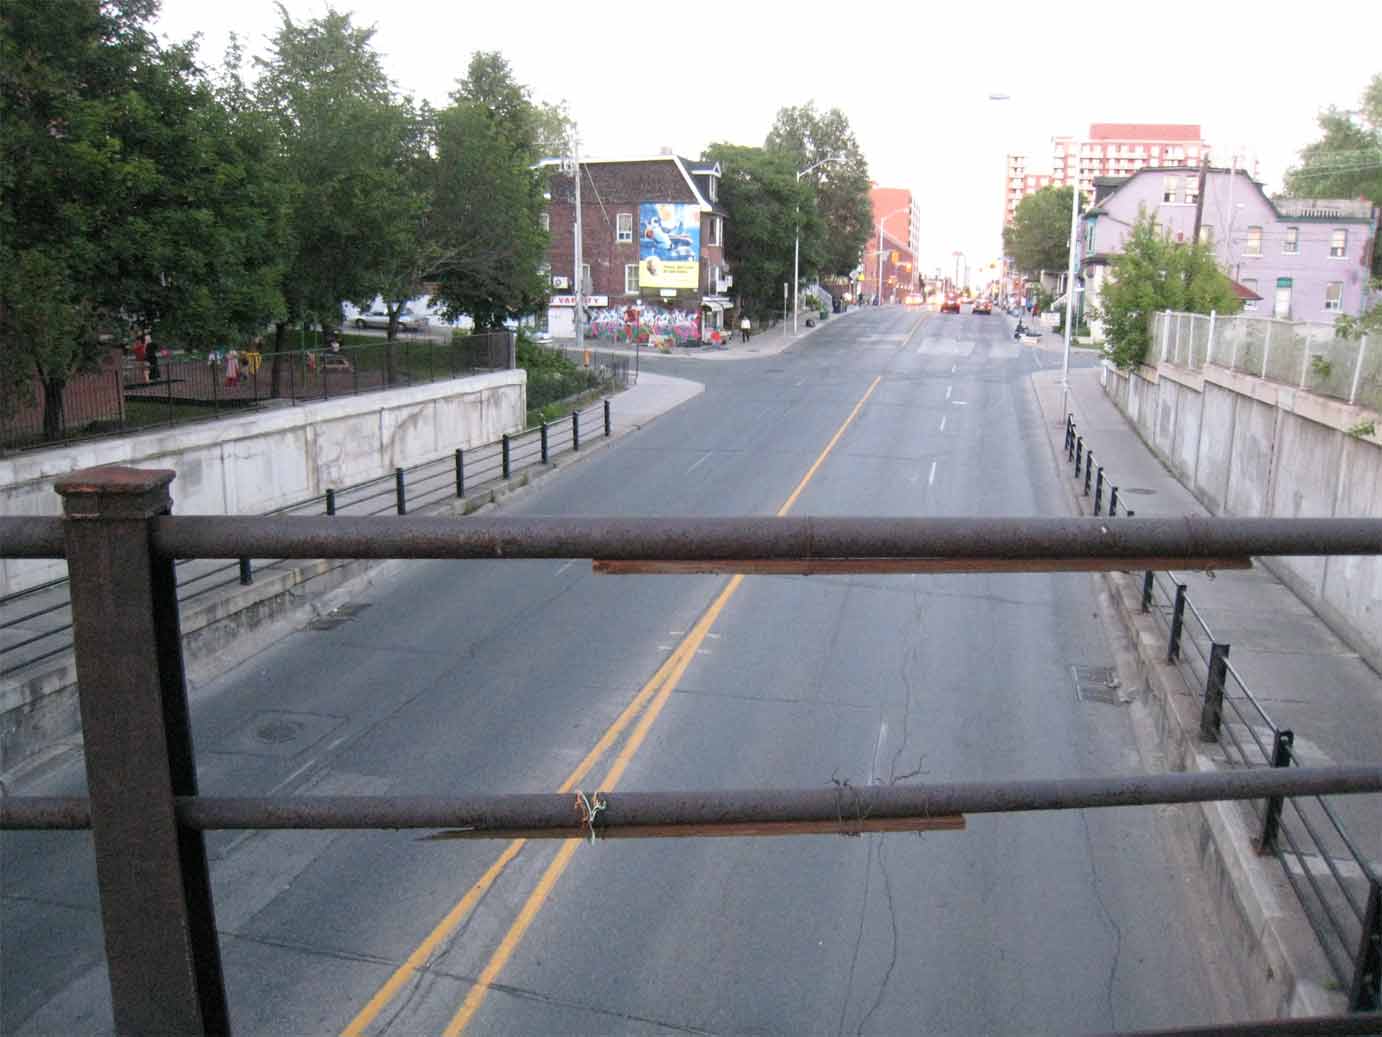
{"type": "Point", "coordinates": [255, 463]}
{"type": "Point", "coordinates": [1249, 447]}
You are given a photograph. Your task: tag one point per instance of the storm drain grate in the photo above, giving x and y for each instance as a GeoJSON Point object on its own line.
{"type": "Point", "coordinates": [337, 616]}
{"type": "Point", "coordinates": [1096, 684]}
{"type": "Point", "coordinates": [1138, 490]}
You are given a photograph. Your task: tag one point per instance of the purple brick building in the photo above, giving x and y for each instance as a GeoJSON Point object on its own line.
{"type": "Point", "coordinates": [1304, 258]}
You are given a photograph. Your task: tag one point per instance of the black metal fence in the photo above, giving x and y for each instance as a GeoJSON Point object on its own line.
{"type": "Point", "coordinates": [183, 388]}
{"type": "Point", "coordinates": [120, 543]}
{"type": "Point", "coordinates": [1339, 888]}
{"type": "Point", "coordinates": [36, 623]}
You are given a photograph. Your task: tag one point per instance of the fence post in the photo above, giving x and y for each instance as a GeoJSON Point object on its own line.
{"type": "Point", "coordinates": [1305, 361]}
{"type": "Point", "coordinates": [246, 572]}
{"type": "Point", "coordinates": [1113, 501]}
{"type": "Point", "coordinates": [1358, 370]}
{"type": "Point", "coordinates": [513, 349]}
{"type": "Point", "coordinates": [460, 473]}
{"type": "Point", "coordinates": [1148, 589]}
{"type": "Point", "coordinates": [504, 449]}
{"type": "Point", "coordinates": [163, 958]}
{"type": "Point", "coordinates": [1166, 335]}
{"type": "Point", "coordinates": [1365, 994]}
{"type": "Point", "coordinates": [400, 492]}
{"type": "Point", "coordinates": [1079, 454]}
{"type": "Point", "coordinates": [607, 421]}
{"type": "Point", "coordinates": [1209, 346]}
{"type": "Point", "coordinates": [1098, 489]}
{"type": "Point", "coordinates": [167, 372]}
{"type": "Point", "coordinates": [575, 430]}
{"type": "Point", "coordinates": [1213, 710]}
{"type": "Point", "coordinates": [1271, 820]}
{"type": "Point", "coordinates": [1177, 624]}
{"type": "Point", "coordinates": [1241, 326]}
{"type": "Point", "coordinates": [1267, 346]}
{"type": "Point", "coordinates": [543, 428]}
{"type": "Point", "coordinates": [1088, 471]}
{"type": "Point", "coordinates": [331, 502]}
{"type": "Point", "coordinates": [1070, 443]}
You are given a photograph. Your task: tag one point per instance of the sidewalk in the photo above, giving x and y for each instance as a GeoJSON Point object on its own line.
{"type": "Point", "coordinates": [1305, 678]}
{"type": "Point", "coordinates": [761, 344]}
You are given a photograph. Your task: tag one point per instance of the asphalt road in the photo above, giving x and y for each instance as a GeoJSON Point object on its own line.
{"type": "Point", "coordinates": [489, 677]}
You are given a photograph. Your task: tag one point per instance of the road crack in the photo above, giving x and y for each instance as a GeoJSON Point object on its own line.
{"type": "Point", "coordinates": [1108, 917]}
{"type": "Point", "coordinates": [892, 920]}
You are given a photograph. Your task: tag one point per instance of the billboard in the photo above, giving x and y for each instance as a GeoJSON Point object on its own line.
{"type": "Point", "coordinates": [669, 245]}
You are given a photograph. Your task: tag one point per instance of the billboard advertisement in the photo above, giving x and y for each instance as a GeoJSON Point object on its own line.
{"type": "Point", "coordinates": [669, 245]}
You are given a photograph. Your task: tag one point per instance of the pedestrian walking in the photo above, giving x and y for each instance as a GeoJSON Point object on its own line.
{"type": "Point", "coordinates": [745, 328]}
{"type": "Point", "coordinates": [151, 351]}
{"type": "Point", "coordinates": [232, 369]}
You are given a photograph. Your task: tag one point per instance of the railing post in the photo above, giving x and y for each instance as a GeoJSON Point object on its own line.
{"type": "Point", "coordinates": [1267, 345]}
{"type": "Point", "coordinates": [1213, 710]}
{"type": "Point", "coordinates": [1088, 471]}
{"type": "Point", "coordinates": [575, 430]}
{"type": "Point", "coordinates": [1209, 346]}
{"type": "Point", "coordinates": [1113, 501]}
{"type": "Point", "coordinates": [400, 492]}
{"type": "Point", "coordinates": [460, 473]}
{"type": "Point", "coordinates": [331, 502]}
{"type": "Point", "coordinates": [1365, 993]}
{"type": "Point", "coordinates": [607, 421]}
{"type": "Point", "coordinates": [504, 447]}
{"type": "Point", "coordinates": [246, 572]}
{"type": "Point", "coordinates": [1098, 489]}
{"type": "Point", "coordinates": [1079, 453]}
{"type": "Point", "coordinates": [1148, 590]}
{"type": "Point", "coordinates": [1070, 443]}
{"type": "Point", "coordinates": [1166, 335]}
{"type": "Point", "coordinates": [1357, 370]}
{"type": "Point", "coordinates": [158, 918]}
{"type": "Point", "coordinates": [543, 430]}
{"type": "Point", "coordinates": [1271, 819]}
{"type": "Point", "coordinates": [1177, 625]}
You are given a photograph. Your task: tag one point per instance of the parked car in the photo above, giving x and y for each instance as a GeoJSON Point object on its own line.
{"type": "Point", "coordinates": [951, 303]}
{"type": "Point", "coordinates": [378, 317]}
{"type": "Point", "coordinates": [982, 306]}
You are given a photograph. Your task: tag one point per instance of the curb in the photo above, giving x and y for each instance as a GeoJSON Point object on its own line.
{"type": "Point", "coordinates": [1258, 920]}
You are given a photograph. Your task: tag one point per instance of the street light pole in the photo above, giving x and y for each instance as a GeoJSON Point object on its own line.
{"type": "Point", "coordinates": [796, 244]}
{"type": "Point", "coordinates": [1070, 296]}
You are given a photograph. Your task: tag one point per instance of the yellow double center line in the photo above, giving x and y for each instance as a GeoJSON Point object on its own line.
{"type": "Point", "coordinates": [654, 696]}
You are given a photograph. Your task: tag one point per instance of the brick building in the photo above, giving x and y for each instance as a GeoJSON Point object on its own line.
{"type": "Point", "coordinates": [895, 214]}
{"type": "Point", "coordinates": [652, 248]}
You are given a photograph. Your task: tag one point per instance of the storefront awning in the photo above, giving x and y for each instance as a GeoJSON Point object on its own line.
{"type": "Point", "coordinates": [714, 304]}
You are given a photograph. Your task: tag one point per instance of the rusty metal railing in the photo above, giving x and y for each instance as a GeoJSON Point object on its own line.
{"type": "Point", "coordinates": [121, 544]}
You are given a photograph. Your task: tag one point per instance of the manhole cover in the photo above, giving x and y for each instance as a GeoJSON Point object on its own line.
{"type": "Point", "coordinates": [1096, 684]}
{"type": "Point", "coordinates": [276, 732]}
{"type": "Point", "coordinates": [1138, 490]}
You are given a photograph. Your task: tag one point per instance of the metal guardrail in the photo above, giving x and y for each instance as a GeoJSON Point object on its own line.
{"type": "Point", "coordinates": [47, 629]}
{"type": "Point", "coordinates": [120, 542]}
{"type": "Point", "coordinates": [1343, 910]}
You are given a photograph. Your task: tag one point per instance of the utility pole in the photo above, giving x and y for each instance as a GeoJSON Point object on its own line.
{"type": "Point", "coordinates": [579, 278]}
{"type": "Point", "coordinates": [1199, 199]}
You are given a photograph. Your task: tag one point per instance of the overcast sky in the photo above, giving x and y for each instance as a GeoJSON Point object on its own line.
{"type": "Point", "coordinates": [913, 78]}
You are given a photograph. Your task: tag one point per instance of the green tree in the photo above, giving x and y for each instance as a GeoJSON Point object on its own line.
{"type": "Point", "coordinates": [489, 197]}
{"type": "Point", "coordinates": [131, 196]}
{"type": "Point", "coordinates": [807, 136]}
{"type": "Point", "coordinates": [346, 147]}
{"type": "Point", "coordinates": [764, 202]}
{"type": "Point", "coordinates": [1038, 238]}
{"type": "Point", "coordinates": [1151, 274]}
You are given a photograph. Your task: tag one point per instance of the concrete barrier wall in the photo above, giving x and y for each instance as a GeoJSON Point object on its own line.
{"type": "Point", "coordinates": [1249, 447]}
{"type": "Point", "coordinates": [264, 460]}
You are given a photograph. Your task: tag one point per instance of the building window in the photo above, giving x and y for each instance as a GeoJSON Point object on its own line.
{"type": "Point", "coordinates": [1334, 295]}
{"type": "Point", "coordinates": [1282, 308]}
{"type": "Point", "coordinates": [1254, 247]}
{"type": "Point", "coordinates": [544, 220]}
{"type": "Point", "coordinates": [623, 226]}
{"type": "Point", "coordinates": [716, 231]}
{"type": "Point", "coordinates": [1291, 245]}
{"type": "Point", "coordinates": [1250, 283]}
{"type": "Point", "coordinates": [630, 278]}
{"type": "Point", "coordinates": [1338, 244]}
{"type": "Point", "coordinates": [713, 187]}
{"type": "Point", "coordinates": [1192, 190]}
{"type": "Point", "coordinates": [1168, 188]}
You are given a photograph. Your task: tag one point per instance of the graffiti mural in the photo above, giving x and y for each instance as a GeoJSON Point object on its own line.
{"type": "Point", "coordinates": [643, 321]}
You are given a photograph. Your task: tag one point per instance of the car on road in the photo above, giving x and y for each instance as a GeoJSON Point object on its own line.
{"type": "Point", "coordinates": [913, 299]}
{"type": "Point", "coordinates": [378, 317]}
{"type": "Point", "coordinates": [951, 303]}
{"type": "Point", "coordinates": [982, 306]}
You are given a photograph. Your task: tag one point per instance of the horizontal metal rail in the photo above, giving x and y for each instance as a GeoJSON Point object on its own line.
{"type": "Point", "coordinates": [689, 813]}
{"type": "Point", "coordinates": [1313, 1026]}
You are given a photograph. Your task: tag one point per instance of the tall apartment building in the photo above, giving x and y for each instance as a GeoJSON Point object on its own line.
{"type": "Point", "coordinates": [896, 215]}
{"type": "Point", "coordinates": [1111, 149]}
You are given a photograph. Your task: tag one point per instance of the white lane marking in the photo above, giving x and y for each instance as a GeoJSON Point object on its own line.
{"type": "Point", "coordinates": [931, 479]}
{"type": "Point", "coordinates": [953, 367]}
{"type": "Point", "coordinates": [877, 751]}
{"type": "Point", "coordinates": [948, 390]}
{"type": "Point", "coordinates": [942, 428]}
{"type": "Point", "coordinates": [702, 461]}
{"type": "Point", "coordinates": [664, 648]}
{"type": "Point", "coordinates": [568, 565]}
{"type": "Point", "coordinates": [959, 403]}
